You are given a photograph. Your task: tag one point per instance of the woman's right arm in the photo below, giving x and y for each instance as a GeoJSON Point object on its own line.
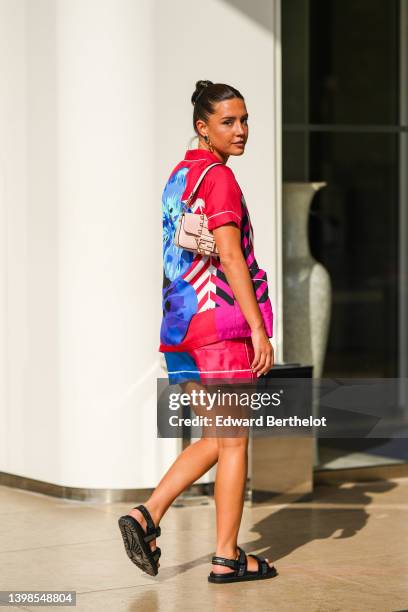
{"type": "Point", "coordinates": [228, 240]}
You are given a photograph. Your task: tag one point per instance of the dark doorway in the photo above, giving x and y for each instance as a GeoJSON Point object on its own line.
{"type": "Point", "coordinates": [345, 122]}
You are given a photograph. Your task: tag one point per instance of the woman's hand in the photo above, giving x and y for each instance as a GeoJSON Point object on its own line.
{"type": "Point", "coordinates": [264, 356]}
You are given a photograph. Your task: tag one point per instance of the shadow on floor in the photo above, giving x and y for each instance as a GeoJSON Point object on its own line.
{"type": "Point", "coordinates": [298, 524]}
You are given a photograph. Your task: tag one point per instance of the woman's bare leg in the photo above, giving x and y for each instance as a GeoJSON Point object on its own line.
{"type": "Point", "coordinates": [193, 462]}
{"type": "Point", "coordinates": [229, 495]}
{"type": "Point", "coordinates": [230, 483]}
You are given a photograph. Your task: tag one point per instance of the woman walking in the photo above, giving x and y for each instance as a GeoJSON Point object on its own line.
{"type": "Point", "coordinates": [217, 321]}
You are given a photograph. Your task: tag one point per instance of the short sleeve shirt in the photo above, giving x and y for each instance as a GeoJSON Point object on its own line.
{"type": "Point", "coordinates": [198, 304]}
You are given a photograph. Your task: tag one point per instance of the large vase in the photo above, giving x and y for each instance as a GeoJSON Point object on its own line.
{"type": "Point", "coordinates": [306, 283]}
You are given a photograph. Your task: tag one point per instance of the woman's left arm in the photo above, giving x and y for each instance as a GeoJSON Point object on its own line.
{"type": "Point", "coordinates": [228, 241]}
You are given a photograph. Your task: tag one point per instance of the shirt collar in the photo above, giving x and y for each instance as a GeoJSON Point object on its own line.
{"type": "Point", "coordinates": [200, 154]}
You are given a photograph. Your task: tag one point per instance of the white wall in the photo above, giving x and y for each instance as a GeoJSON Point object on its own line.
{"type": "Point", "coordinates": [13, 232]}
{"type": "Point", "coordinates": [95, 112]}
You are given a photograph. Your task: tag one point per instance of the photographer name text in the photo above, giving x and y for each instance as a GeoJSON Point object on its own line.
{"type": "Point", "coordinates": [260, 421]}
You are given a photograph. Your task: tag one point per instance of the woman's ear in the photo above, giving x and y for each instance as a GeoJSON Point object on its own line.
{"type": "Point", "coordinates": [201, 128]}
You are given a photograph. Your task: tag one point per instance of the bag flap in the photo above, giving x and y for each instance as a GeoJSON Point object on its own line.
{"type": "Point", "coordinates": [192, 223]}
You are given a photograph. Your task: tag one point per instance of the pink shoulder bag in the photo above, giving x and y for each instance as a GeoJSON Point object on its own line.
{"type": "Point", "coordinates": [192, 233]}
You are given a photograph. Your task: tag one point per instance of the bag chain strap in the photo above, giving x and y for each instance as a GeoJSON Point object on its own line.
{"type": "Point", "coordinates": [195, 188]}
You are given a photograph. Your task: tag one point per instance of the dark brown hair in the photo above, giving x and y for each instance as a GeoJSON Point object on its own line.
{"type": "Point", "coordinates": [206, 96]}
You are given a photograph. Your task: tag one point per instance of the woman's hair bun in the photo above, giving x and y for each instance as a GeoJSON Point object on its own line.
{"type": "Point", "coordinates": [200, 86]}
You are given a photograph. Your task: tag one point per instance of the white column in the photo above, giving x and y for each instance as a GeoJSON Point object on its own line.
{"type": "Point", "coordinates": [80, 227]}
{"type": "Point", "coordinates": [14, 347]}
{"type": "Point", "coordinates": [109, 229]}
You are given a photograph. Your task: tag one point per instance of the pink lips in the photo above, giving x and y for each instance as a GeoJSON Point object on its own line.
{"type": "Point", "coordinates": [239, 143]}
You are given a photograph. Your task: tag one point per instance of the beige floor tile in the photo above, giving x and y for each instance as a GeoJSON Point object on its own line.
{"type": "Point", "coordinates": [55, 525]}
{"type": "Point", "coordinates": [82, 567]}
{"type": "Point", "coordinates": [6, 608]}
{"type": "Point", "coordinates": [17, 500]}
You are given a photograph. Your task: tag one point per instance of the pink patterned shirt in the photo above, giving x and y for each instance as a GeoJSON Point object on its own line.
{"type": "Point", "coordinates": [199, 307]}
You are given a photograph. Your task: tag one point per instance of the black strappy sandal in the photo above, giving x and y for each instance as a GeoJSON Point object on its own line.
{"type": "Point", "coordinates": [136, 541]}
{"type": "Point", "coordinates": [240, 566]}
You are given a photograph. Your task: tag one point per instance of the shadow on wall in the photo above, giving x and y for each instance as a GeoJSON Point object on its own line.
{"type": "Point", "coordinates": [261, 11]}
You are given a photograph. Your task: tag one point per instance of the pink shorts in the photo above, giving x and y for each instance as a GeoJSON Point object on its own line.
{"type": "Point", "coordinates": [227, 359]}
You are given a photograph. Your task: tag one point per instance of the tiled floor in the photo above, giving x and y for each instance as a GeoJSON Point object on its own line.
{"type": "Point", "coordinates": [345, 550]}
